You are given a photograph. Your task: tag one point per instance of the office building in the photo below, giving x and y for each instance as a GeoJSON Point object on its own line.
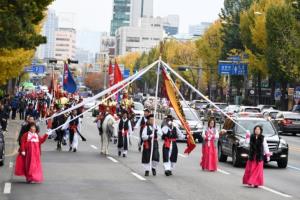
{"type": "Point", "coordinates": [199, 29]}
{"type": "Point", "coordinates": [65, 43]}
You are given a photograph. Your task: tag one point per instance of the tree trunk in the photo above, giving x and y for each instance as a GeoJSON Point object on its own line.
{"type": "Point", "coordinates": [259, 87]}
{"type": "Point", "coordinates": [284, 100]}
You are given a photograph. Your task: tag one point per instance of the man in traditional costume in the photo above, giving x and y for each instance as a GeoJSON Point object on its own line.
{"type": "Point", "coordinates": [124, 132]}
{"type": "Point", "coordinates": [141, 123]}
{"type": "Point", "coordinates": [170, 134]}
{"type": "Point", "coordinates": [149, 135]}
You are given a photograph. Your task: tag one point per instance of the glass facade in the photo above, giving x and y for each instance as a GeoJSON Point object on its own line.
{"type": "Point", "coordinates": [121, 15]}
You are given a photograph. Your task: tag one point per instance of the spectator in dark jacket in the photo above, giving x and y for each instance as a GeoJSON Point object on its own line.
{"type": "Point", "coordinates": [32, 112]}
{"type": "Point", "coordinates": [22, 107]}
{"type": "Point", "coordinates": [14, 107]}
{"type": "Point", "coordinates": [4, 115]}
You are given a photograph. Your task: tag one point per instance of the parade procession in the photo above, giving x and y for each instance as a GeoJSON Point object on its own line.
{"type": "Point", "coordinates": [148, 110]}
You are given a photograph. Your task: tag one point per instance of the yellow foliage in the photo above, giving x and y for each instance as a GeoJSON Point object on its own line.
{"type": "Point", "coordinates": [129, 60]}
{"type": "Point", "coordinates": [12, 63]}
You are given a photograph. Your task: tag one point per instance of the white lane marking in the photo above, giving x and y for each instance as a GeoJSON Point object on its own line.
{"type": "Point", "coordinates": [11, 164]}
{"type": "Point", "coordinates": [223, 172]}
{"type": "Point", "coordinates": [94, 147]}
{"type": "Point", "coordinates": [138, 176]}
{"type": "Point", "coordinates": [112, 159]}
{"type": "Point", "coordinates": [182, 155]}
{"type": "Point", "coordinates": [275, 192]}
{"type": "Point", "coordinates": [7, 188]}
{"type": "Point", "coordinates": [292, 167]}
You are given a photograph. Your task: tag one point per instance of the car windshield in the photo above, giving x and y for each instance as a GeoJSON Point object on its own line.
{"type": "Point", "coordinates": [268, 129]}
{"type": "Point", "coordinates": [189, 115]}
{"type": "Point", "coordinates": [221, 106]}
{"type": "Point", "coordinates": [138, 106]}
{"type": "Point", "coordinates": [231, 108]}
{"type": "Point", "coordinates": [254, 110]}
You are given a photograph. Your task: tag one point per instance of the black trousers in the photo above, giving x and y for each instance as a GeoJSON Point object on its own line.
{"type": "Point", "coordinates": [14, 113]}
{"type": "Point", "coordinates": [22, 114]}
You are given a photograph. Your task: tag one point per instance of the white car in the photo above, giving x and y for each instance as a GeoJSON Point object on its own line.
{"type": "Point", "coordinates": [194, 121]}
{"type": "Point", "coordinates": [138, 110]}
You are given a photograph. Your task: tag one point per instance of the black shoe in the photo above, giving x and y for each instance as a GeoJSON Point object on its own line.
{"type": "Point", "coordinates": [153, 172]}
{"type": "Point", "coordinates": [58, 147]}
{"type": "Point", "coordinates": [74, 150]}
{"type": "Point", "coordinates": [70, 149]}
{"type": "Point", "coordinates": [124, 155]}
{"type": "Point", "coordinates": [146, 173]}
{"type": "Point", "coordinates": [170, 172]}
{"type": "Point", "coordinates": [140, 149]}
{"type": "Point", "coordinates": [167, 173]}
{"type": "Point", "coordinates": [119, 153]}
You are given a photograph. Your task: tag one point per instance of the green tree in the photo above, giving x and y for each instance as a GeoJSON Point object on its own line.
{"type": "Point", "coordinates": [282, 46]}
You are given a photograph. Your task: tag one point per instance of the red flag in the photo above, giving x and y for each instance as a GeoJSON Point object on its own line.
{"type": "Point", "coordinates": [111, 74]}
{"type": "Point", "coordinates": [118, 77]}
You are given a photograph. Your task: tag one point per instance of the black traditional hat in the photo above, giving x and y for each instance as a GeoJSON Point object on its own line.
{"type": "Point", "coordinates": [149, 116]}
{"type": "Point", "coordinates": [146, 110]}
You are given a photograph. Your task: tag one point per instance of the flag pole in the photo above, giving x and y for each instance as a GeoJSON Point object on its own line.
{"type": "Point", "coordinates": [155, 110]}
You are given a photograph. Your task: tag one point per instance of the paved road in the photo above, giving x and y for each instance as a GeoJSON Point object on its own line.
{"type": "Point", "coordinates": [88, 175]}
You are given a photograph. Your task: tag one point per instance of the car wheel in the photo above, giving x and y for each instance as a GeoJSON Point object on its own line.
{"type": "Point", "coordinates": [221, 156]}
{"type": "Point", "coordinates": [235, 159]}
{"type": "Point", "coordinates": [282, 163]}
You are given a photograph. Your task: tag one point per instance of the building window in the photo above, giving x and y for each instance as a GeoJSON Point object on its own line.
{"type": "Point", "coordinates": [145, 38]}
{"type": "Point", "coordinates": [62, 39]}
{"type": "Point", "coordinates": [132, 39]}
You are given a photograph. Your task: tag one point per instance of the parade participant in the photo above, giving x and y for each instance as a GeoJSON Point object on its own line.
{"type": "Point", "coordinates": [57, 122]}
{"type": "Point", "coordinates": [124, 131]}
{"type": "Point", "coordinates": [148, 136]}
{"type": "Point", "coordinates": [141, 123]}
{"type": "Point", "coordinates": [26, 127]}
{"type": "Point", "coordinates": [209, 152]}
{"type": "Point", "coordinates": [28, 162]}
{"type": "Point", "coordinates": [254, 174]}
{"type": "Point", "coordinates": [105, 123]}
{"type": "Point", "coordinates": [126, 103]}
{"type": "Point", "coordinates": [170, 134]}
{"type": "Point", "coordinates": [74, 127]}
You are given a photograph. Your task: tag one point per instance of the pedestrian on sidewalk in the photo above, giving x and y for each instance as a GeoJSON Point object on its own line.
{"type": "Point", "coordinates": [254, 171]}
{"type": "Point", "coordinates": [124, 132]}
{"type": "Point", "coordinates": [150, 133]}
{"type": "Point", "coordinates": [210, 135]}
{"type": "Point", "coordinates": [22, 107]}
{"type": "Point", "coordinates": [170, 134]}
{"type": "Point", "coordinates": [28, 161]}
{"type": "Point", "coordinates": [4, 115]}
{"type": "Point", "coordinates": [14, 107]}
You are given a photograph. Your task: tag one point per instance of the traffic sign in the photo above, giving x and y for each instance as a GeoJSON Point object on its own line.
{"type": "Point", "coordinates": [277, 94]}
{"type": "Point", "coordinates": [37, 69]}
{"type": "Point", "coordinates": [126, 73]}
{"type": "Point", "coordinates": [229, 68]}
{"type": "Point", "coordinates": [297, 93]}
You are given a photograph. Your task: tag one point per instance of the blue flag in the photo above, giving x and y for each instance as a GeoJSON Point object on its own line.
{"type": "Point", "coordinates": [69, 84]}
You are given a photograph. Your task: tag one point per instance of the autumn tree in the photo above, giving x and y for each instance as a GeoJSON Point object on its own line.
{"type": "Point", "coordinates": [94, 80]}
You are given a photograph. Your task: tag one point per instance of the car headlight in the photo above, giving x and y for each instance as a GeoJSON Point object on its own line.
{"type": "Point", "coordinates": [282, 143]}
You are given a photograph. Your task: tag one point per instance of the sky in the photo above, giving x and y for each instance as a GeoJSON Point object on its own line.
{"type": "Point", "coordinates": [95, 15]}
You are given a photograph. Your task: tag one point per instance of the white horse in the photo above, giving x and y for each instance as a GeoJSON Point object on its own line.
{"type": "Point", "coordinates": [108, 127]}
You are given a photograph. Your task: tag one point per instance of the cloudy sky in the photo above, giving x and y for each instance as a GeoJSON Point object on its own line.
{"type": "Point", "coordinates": [95, 15]}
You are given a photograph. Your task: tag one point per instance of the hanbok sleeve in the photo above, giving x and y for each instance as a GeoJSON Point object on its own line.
{"type": "Point", "coordinates": [266, 148]}
{"type": "Point", "coordinates": [144, 134]}
{"type": "Point", "coordinates": [180, 135]}
{"type": "Point", "coordinates": [159, 131]}
{"type": "Point", "coordinates": [43, 138]}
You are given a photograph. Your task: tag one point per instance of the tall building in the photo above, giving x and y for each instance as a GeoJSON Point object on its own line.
{"type": "Point", "coordinates": [140, 38]}
{"type": "Point", "coordinates": [171, 24]}
{"type": "Point", "coordinates": [48, 30]}
{"type": "Point", "coordinates": [121, 15]}
{"type": "Point", "coordinates": [107, 49]}
{"type": "Point", "coordinates": [199, 29]}
{"type": "Point", "coordinates": [140, 9]}
{"type": "Point", "coordinates": [65, 43]}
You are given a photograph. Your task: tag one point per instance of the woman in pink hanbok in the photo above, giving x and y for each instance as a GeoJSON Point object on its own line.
{"type": "Point", "coordinates": [28, 161]}
{"type": "Point", "coordinates": [209, 159]}
{"type": "Point", "coordinates": [254, 171]}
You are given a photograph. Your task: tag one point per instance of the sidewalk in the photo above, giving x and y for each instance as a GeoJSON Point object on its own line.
{"type": "Point", "coordinates": [11, 148]}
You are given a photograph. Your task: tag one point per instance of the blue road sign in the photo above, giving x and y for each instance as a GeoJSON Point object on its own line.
{"type": "Point", "coordinates": [126, 73]}
{"type": "Point", "coordinates": [233, 69]}
{"type": "Point", "coordinates": [37, 69]}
